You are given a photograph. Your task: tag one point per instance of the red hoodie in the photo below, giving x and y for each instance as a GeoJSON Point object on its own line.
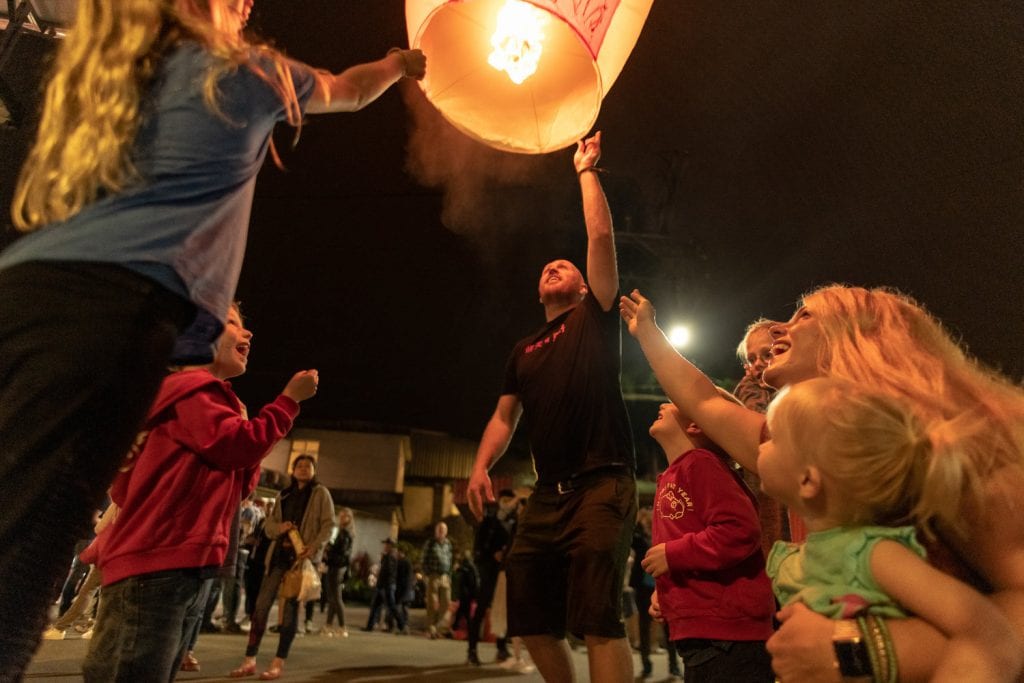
{"type": "Point", "coordinates": [716, 587]}
{"type": "Point", "coordinates": [181, 484]}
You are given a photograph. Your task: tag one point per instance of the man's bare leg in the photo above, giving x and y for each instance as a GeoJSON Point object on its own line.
{"type": "Point", "coordinates": [610, 659]}
{"type": "Point", "coordinates": [551, 655]}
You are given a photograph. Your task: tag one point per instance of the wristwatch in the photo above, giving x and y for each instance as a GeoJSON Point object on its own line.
{"type": "Point", "coordinates": [851, 652]}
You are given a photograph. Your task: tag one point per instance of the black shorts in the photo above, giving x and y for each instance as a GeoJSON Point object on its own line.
{"type": "Point", "coordinates": [566, 567]}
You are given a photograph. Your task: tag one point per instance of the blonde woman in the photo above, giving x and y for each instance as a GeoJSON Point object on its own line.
{"type": "Point", "coordinates": [883, 340]}
{"type": "Point", "coordinates": [156, 119]}
{"type": "Point", "coordinates": [337, 558]}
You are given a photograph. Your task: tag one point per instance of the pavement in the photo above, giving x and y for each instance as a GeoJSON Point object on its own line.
{"type": "Point", "coordinates": [361, 658]}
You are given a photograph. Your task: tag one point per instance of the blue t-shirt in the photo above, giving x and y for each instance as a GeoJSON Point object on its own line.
{"type": "Point", "coordinates": [184, 223]}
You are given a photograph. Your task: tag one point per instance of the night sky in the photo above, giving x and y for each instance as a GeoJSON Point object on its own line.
{"type": "Point", "coordinates": [755, 150]}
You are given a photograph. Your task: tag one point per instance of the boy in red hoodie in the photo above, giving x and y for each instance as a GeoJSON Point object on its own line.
{"type": "Point", "coordinates": [706, 558]}
{"type": "Point", "coordinates": [177, 491]}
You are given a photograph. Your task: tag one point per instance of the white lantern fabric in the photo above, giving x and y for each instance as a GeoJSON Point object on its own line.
{"type": "Point", "coordinates": [584, 48]}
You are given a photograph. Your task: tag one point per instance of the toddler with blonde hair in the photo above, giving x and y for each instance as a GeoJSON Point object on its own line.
{"type": "Point", "coordinates": [864, 471]}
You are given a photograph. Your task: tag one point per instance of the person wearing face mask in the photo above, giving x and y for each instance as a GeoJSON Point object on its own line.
{"type": "Point", "coordinates": [178, 493]}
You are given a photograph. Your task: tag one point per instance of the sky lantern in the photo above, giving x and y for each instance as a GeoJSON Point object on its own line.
{"type": "Point", "coordinates": [523, 75]}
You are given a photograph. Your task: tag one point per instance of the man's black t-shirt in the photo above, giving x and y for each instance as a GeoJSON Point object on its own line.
{"type": "Point", "coordinates": [566, 375]}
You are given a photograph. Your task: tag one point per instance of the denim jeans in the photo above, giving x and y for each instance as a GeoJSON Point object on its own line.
{"type": "Point", "coordinates": [140, 629]}
{"type": "Point", "coordinates": [194, 617]}
{"type": "Point", "coordinates": [385, 597]}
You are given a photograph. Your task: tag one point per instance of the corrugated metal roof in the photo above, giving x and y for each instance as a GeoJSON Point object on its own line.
{"type": "Point", "coordinates": [439, 456]}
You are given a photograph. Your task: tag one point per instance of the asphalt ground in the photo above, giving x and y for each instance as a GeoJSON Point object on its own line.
{"type": "Point", "coordinates": [361, 658]}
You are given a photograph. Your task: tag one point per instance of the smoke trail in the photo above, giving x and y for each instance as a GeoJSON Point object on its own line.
{"type": "Point", "coordinates": [478, 181]}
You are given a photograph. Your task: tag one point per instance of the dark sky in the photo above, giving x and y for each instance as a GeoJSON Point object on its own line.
{"type": "Point", "coordinates": [755, 150]}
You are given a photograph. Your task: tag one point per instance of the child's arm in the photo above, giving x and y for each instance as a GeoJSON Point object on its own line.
{"type": "Point", "coordinates": [209, 423]}
{"type": "Point", "coordinates": [733, 427]}
{"type": "Point", "coordinates": [982, 644]}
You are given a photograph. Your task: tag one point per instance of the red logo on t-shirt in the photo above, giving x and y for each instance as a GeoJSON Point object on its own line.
{"type": "Point", "coordinates": [530, 348]}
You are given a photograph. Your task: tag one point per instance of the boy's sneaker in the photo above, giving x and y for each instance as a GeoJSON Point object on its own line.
{"type": "Point", "coordinates": [472, 659]}
{"type": "Point", "coordinates": [53, 634]}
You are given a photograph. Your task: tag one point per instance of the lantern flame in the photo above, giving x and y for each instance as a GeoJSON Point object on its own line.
{"type": "Point", "coordinates": [518, 39]}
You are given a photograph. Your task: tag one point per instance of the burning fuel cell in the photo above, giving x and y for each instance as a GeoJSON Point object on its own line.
{"type": "Point", "coordinates": [523, 75]}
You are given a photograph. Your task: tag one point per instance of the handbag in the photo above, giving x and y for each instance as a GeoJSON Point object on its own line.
{"type": "Point", "coordinates": [310, 587]}
{"type": "Point", "coordinates": [301, 582]}
{"type": "Point", "coordinates": [291, 582]}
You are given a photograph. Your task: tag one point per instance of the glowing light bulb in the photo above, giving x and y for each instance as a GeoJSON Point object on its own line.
{"type": "Point", "coordinates": [518, 40]}
{"type": "Point", "coordinates": [679, 336]}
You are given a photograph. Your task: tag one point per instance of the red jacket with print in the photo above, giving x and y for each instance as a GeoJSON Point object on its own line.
{"type": "Point", "coordinates": [716, 587]}
{"type": "Point", "coordinates": [182, 483]}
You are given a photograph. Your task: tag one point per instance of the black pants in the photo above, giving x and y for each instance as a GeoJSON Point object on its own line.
{"type": "Point", "coordinates": [725, 661]}
{"type": "Point", "coordinates": [643, 604]}
{"type": "Point", "coordinates": [83, 349]}
{"type": "Point", "coordinates": [288, 619]}
{"type": "Point", "coordinates": [485, 596]}
{"type": "Point", "coordinates": [333, 590]}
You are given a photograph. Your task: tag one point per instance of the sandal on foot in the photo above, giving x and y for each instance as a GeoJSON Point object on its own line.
{"type": "Point", "coordinates": [243, 671]}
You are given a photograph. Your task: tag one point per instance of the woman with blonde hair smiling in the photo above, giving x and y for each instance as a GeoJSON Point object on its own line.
{"type": "Point", "coordinates": [885, 341]}
{"type": "Point", "coordinates": [156, 119]}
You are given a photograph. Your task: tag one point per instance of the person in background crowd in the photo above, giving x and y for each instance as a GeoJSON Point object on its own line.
{"type": "Point", "coordinates": [387, 582]}
{"type": "Point", "coordinates": [338, 557]}
{"type": "Point", "coordinates": [493, 539]}
{"type": "Point", "coordinates": [437, 568]}
{"type": "Point", "coordinates": [466, 586]}
{"type": "Point", "coordinates": [304, 508]}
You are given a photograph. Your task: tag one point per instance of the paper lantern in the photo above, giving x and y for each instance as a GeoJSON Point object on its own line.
{"type": "Point", "coordinates": [523, 76]}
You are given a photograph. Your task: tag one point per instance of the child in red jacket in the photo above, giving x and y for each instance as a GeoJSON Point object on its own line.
{"type": "Point", "coordinates": [706, 558]}
{"type": "Point", "coordinates": [177, 493]}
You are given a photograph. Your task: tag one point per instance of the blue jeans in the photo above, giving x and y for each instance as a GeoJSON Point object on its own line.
{"type": "Point", "coordinates": [385, 597]}
{"type": "Point", "coordinates": [140, 629]}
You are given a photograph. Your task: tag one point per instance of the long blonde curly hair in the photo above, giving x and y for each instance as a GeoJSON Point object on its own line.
{"type": "Point", "coordinates": [882, 339]}
{"type": "Point", "coordinates": [91, 106]}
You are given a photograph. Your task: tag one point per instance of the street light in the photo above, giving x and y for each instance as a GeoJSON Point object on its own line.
{"type": "Point", "coordinates": [679, 336]}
